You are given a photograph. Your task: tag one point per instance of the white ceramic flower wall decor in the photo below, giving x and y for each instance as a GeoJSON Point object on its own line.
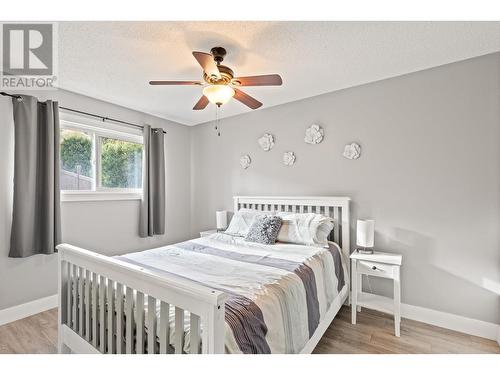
{"type": "Point", "coordinates": [352, 151]}
{"type": "Point", "coordinates": [266, 142]}
{"type": "Point", "coordinates": [289, 158]}
{"type": "Point", "coordinates": [245, 161]}
{"type": "Point", "coordinates": [314, 134]}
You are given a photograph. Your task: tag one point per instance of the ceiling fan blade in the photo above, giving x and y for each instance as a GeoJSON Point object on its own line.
{"type": "Point", "coordinates": [201, 104]}
{"type": "Point", "coordinates": [208, 64]}
{"type": "Point", "coordinates": [182, 83]}
{"type": "Point", "coordinates": [246, 99]}
{"type": "Point", "coordinates": [264, 80]}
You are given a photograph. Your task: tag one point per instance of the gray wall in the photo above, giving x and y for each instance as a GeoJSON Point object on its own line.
{"type": "Point", "coordinates": [429, 174]}
{"type": "Point", "coordinates": [109, 227]}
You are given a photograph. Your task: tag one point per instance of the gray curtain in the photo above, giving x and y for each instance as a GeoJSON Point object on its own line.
{"type": "Point", "coordinates": [152, 217]}
{"type": "Point", "coordinates": [36, 219]}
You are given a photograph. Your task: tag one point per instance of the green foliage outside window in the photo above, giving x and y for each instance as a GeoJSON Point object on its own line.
{"type": "Point", "coordinates": [76, 150]}
{"type": "Point", "coordinates": [120, 163]}
{"type": "Point", "coordinates": [120, 160]}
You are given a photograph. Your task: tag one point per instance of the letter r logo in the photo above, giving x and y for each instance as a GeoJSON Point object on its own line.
{"type": "Point", "coordinates": [27, 49]}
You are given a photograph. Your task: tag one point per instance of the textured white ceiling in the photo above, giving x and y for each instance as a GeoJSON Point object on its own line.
{"type": "Point", "coordinates": [114, 61]}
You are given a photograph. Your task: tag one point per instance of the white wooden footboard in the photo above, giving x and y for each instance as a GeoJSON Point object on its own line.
{"type": "Point", "coordinates": [109, 306]}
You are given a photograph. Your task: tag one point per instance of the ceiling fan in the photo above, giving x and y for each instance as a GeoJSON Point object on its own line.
{"type": "Point", "coordinates": [219, 82]}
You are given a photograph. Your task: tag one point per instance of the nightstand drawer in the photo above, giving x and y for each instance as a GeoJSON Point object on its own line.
{"type": "Point", "coordinates": [376, 269]}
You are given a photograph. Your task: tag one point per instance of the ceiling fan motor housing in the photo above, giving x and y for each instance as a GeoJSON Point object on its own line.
{"type": "Point", "coordinates": [226, 73]}
{"type": "Point", "coordinates": [218, 53]}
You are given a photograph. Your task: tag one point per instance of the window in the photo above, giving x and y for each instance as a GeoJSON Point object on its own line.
{"type": "Point", "coordinates": [99, 162]}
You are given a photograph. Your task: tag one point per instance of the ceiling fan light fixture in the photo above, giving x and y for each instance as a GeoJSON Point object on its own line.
{"type": "Point", "coordinates": [218, 94]}
{"type": "Point", "coordinates": [222, 84]}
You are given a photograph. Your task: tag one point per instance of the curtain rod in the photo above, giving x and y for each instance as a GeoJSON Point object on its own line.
{"type": "Point", "coordinates": [20, 98]}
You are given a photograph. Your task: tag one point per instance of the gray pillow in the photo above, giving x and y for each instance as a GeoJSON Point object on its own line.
{"type": "Point", "coordinates": [264, 229]}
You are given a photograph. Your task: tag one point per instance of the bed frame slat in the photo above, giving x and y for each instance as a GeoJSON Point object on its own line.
{"type": "Point", "coordinates": [102, 314]}
{"type": "Point", "coordinates": [69, 293]}
{"type": "Point", "coordinates": [326, 211]}
{"type": "Point", "coordinates": [179, 330]}
{"type": "Point", "coordinates": [75, 298]}
{"type": "Point", "coordinates": [119, 318]}
{"type": "Point", "coordinates": [88, 304]}
{"type": "Point", "coordinates": [129, 319]}
{"type": "Point", "coordinates": [336, 228]}
{"type": "Point", "coordinates": [164, 327]}
{"type": "Point", "coordinates": [151, 322]}
{"type": "Point", "coordinates": [194, 334]}
{"type": "Point", "coordinates": [94, 309]}
{"type": "Point", "coordinates": [80, 300]}
{"type": "Point", "coordinates": [111, 344]}
{"type": "Point", "coordinates": [139, 322]}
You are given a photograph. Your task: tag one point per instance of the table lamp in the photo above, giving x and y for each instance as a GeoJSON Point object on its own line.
{"type": "Point", "coordinates": [365, 233]}
{"type": "Point", "coordinates": [221, 219]}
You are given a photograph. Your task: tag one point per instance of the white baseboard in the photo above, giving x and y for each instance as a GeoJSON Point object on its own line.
{"type": "Point", "coordinates": [451, 321]}
{"type": "Point", "coordinates": [438, 318]}
{"type": "Point", "coordinates": [14, 313]}
{"type": "Point", "coordinates": [446, 320]}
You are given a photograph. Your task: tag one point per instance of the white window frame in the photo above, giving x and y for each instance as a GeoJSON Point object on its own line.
{"type": "Point", "coordinates": [100, 129]}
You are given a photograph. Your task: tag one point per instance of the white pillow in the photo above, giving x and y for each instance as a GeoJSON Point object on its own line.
{"type": "Point", "coordinates": [242, 220]}
{"type": "Point", "coordinates": [305, 229]}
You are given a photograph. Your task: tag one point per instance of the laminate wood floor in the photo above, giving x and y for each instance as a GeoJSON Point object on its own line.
{"type": "Point", "coordinates": [374, 333]}
{"type": "Point", "coordinates": [36, 334]}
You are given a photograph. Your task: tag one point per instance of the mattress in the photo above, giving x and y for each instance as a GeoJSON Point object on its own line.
{"type": "Point", "coordinates": [277, 294]}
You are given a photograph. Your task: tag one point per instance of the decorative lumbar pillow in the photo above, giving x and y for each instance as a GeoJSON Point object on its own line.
{"type": "Point", "coordinates": [241, 221]}
{"type": "Point", "coordinates": [264, 229]}
{"type": "Point", "coordinates": [305, 229]}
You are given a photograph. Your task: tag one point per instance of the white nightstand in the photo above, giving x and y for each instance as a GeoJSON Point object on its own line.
{"type": "Point", "coordinates": [207, 233]}
{"type": "Point", "coordinates": [378, 264]}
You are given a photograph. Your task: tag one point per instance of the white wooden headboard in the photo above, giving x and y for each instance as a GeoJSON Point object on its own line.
{"type": "Point", "coordinates": [334, 207]}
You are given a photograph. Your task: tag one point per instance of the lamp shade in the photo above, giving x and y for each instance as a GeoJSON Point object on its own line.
{"type": "Point", "coordinates": [221, 218]}
{"type": "Point", "coordinates": [365, 233]}
{"type": "Point", "coordinates": [218, 94]}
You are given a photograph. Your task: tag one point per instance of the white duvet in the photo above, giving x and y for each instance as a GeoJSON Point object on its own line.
{"type": "Point", "coordinates": [261, 274]}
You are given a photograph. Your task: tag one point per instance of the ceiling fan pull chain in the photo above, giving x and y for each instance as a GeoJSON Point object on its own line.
{"type": "Point", "coordinates": [216, 118]}
{"type": "Point", "coordinates": [217, 126]}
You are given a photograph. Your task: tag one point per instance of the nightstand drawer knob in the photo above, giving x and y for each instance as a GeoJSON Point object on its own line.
{"type": "Point", "coordinates": [374, 268]}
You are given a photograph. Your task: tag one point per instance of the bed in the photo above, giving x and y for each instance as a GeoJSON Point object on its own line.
{"type": "Point", "coordinates": [216, 294]}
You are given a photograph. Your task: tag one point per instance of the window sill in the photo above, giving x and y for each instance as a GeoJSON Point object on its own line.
{"type": "Point", "coordinates": [89, 196]}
